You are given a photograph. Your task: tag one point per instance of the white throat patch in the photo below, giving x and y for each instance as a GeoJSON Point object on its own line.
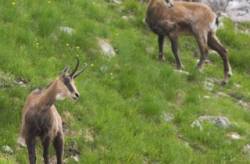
{"type": "Point", "coordinates": [59, 96]}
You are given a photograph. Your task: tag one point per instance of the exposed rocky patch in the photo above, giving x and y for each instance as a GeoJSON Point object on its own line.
{"type": "Point", "coordinates": [246, 150]}
{"type": "Point", "coordinates": [67, 30]}
{"type": "Point", "coordinates": [168, 117]}
{"type": "Point", "coordinates": [237, 10]}
{"type": "Point", "coordinates": [106, 48]}
{"type": "Point", "coordinates": [219, 121]}
{"type": "Point", "coordinates": [234, 136]}
{"type": "Point", "coordinates": [7, 149]}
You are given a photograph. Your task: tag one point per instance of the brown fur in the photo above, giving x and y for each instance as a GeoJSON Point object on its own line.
{"type": "Point", "coordinates": [190, 18]}
{"type": "Point", "coordinates": [41, 119]}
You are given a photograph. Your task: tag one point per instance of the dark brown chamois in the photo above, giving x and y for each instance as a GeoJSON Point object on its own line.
{"type": "Point", "coordinates": [170, 18]}
{"type": "Point", "coordinates": [41, 119]}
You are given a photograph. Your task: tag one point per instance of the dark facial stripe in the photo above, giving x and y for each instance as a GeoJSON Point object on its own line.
{"type": "Point", "coordinates": [67, 83]}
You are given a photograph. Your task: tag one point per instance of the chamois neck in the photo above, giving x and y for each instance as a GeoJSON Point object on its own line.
{"type": "Point", "coordinates": [49, 94]}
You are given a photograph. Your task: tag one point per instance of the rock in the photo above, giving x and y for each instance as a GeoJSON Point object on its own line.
{"type": "Point", "coordinates": [219, 121]}
{"type": "Point", "coordinates": [206, 97]}
{"type": "Point", "coordinates": [244, 104]}
{"type": "Point", "coordinates": [168, 117]}
{"type": "Point", "coordinates": [239, 10]}
{"type": "Point", "coordinates": [124, 17]}
{"type": "Point", "coordinates": [197, 124]}
{"type": "Point", "coordinates": [67, 30]}
{"type": "Point", "coordinates": [129, 17]}
{"type": "Point", "coordinates": [21, 82]}
{"type": "Point", "coordinates": [182, 72]}
{"type": "Point", "coordinates": [7, 149]}
{"type": "Point", "coordinates": [222, 94]}
{"type": "Point", "coordinates": [106, 48]}
{"type": "Point", "coordinates": [117, 2]}
{"type": "Point", "coordinates": [237, 85]}
{"type": "Point", "coordinates": [246, 150]}
{"type": "Point", "coordinates": [234, 136]}
{"type": "Point", "coordinates": [209, 85]}
{"type": "Point", "coordinates": [217, 5]}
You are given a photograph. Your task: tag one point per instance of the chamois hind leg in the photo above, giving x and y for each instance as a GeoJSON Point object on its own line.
{"type": "Point", "coordinates": [202, 43]}
{"type": "Point", "coordinates": [45, 143]}
{"type": "Point", "coordinates": [161, 44]}
{"type": "Point", "coordinates": [214, 44]}
{"type": "Point", "coordinates": [58, 145]}
{"type": "Point", "coordinates": [31, 143]}
{"type": "Point", "coordinates": [174, 46]}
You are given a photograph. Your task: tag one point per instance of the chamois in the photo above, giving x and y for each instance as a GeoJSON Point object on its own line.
{"type": "Point", "coordinates": [169, 18]}
{"type": "Point", "coordinates": [41, 119]}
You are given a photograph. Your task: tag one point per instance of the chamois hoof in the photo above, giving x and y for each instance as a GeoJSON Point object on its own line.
{"type": "Point", "coordinates": [161, 58]}
{"type": "Point", "coordinates": [180, 67]}
{"type": "Point", "coordinates": [224, 82]}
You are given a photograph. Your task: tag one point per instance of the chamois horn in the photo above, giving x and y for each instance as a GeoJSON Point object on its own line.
{"type": "Point", "coordinates": [76, 68]}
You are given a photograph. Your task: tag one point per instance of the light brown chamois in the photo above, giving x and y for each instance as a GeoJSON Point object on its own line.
{"type": "Point", "coordinates": [41, 119]}
{"type": "Point", "coordinates": [169, 18]}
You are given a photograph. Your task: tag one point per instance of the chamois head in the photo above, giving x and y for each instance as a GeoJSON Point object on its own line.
{"type": "Point", "coordinates": [66, 83]}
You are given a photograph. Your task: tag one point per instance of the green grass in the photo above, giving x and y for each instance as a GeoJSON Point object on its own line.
{"type": "Point", "coordinates": [123, 99]}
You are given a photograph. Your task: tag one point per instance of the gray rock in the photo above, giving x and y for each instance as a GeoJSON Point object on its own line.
{"type": "Point", "coordinates": [117, 2]}
{"type": "Point", "coordinates": [246, 150]}
{"type": "Point", "coordinates": [106, 48]}
{"type": "Point", "coordinates": [7, 149]}
{"type": "Point", "coordinates": [234, 136]}
{"type": "Point", "coordinates": [219, 121]}
{"type": "Point", "coordinates": [239, 10]}
{"type": "Point", "coordinates": [209, 84]}
{"type": "Point", "coordinates": [67, 30]}
{"type": "Point", "coordinates": [168, 117]}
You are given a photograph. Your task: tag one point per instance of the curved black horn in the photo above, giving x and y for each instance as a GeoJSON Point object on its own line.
{"type": "Point", "coordinates": [79, 72]}
{"type": "Point", "coordinates": [77, 65]}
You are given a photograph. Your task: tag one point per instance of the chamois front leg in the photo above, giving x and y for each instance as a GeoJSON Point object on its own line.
{"type": "Point", "coordinates": [174, 46]}
{"type": "Point", "coordinates": [45, 143]}
{"type": "Point", "coordinates": [31, 143]}
{"type": "Point", "coordinates": [161, 43]}
{"type": "Point", "coordinates": [58, 145]}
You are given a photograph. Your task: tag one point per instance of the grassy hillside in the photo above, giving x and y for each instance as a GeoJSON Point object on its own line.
{"type": "Point", "coordinates": [127, 102]}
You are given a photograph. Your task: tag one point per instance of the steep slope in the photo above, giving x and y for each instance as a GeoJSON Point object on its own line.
{"type": "Point", "coordinates": [133, 109]}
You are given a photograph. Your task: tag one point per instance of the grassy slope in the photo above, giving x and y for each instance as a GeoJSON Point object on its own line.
{"type": "Point", "coordinates": [122, 99]}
